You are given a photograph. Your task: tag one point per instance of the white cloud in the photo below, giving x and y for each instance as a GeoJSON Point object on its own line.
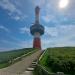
{"type": "Point", "coordinates": [48, 18]}
{"type": "Point", "coordinates": [4, 28]}
{"type": "Point", "coordinates": [66, 30]}
{"type": "Point", "coordinates": [11, 45]}
{"type": "Point", "coordinates": [25, 30]}
{"type": "Point", "coordinates": [5, 41]}
{"type": "Point", "coordinates": [6, 4]}
{"type": "Point", "coordinates": [63, 35]}
{"type": "Point", "coordinates": [5, 49]}
{"type": "Point", "coordinates": [52, 31]}
{"type": "Point", "coordinates": [62, 30]}
{"type": "Point", "coordinates": [38, 2]}
{"type": "Point", "coordinates": [50, 7]}
{"type": "Point", "coordinates": [26, 44]}
{"type": "Point", "coordinates": [16, 17]}
{"type": "Point", "coordinates": [12, 9]}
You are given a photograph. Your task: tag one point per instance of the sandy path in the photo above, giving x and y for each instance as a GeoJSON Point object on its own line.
{"type": "Point", "coordinates": [21, 66]}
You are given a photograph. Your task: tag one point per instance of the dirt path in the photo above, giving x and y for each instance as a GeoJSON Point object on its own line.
{"type": "Point", "coordinates": [21, 66]}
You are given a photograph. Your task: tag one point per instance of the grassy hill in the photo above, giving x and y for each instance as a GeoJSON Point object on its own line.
{"type": "Point", "coordinates": [59, 60]}
{"type": "Point", "coordinates": [9, 57]}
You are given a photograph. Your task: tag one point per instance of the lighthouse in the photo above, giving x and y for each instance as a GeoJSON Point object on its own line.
{"type": "Point", "coordinates": [37, 30]}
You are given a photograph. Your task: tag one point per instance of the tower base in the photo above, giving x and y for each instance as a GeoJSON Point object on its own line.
{"type": "Point", "coordinates": [37, 43]}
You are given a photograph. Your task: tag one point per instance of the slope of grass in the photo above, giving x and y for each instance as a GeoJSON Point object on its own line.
{"type": "Point", "coordinates": [59, 60]}
{"type": "Point", "coordinates": [7, 58]}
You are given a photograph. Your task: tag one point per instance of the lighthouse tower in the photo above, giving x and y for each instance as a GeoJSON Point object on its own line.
{"type": "Point", "coordinates": [37, 30]}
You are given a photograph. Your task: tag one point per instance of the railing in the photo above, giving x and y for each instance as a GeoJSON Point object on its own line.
{"type": "Point", "coordinates": [40, 70]}
{"type": "Point", "coordinates": [6, 72]}
{"type": "Point", "coordinates": [21, 57]}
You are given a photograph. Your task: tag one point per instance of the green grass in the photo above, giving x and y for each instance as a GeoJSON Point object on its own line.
{"type": "Point", "coordinates": [3, 65]}
{"type": "Point", "coordinates": [59, 60]}
{"type": "Point", "coordinates": [7, 58]}
{"type": "Point", "coordinates": [42, 62]}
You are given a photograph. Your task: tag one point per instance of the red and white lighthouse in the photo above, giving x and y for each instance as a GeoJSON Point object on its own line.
{"type": "Point", "coordinates": [37, 30]}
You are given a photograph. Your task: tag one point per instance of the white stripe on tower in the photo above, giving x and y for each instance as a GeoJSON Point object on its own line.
{"type": "Point", "coordinates": [37, 34]}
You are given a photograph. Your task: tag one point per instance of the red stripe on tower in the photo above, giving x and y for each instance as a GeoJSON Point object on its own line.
{"type": "Point", "coordinates": [37, 43]}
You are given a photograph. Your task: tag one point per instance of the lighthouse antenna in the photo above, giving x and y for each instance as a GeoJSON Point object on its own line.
{"type": "Point", "coordinates": [37, 10]}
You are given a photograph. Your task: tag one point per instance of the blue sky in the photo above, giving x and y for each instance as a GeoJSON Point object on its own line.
{"type": "Point", "coordinates": [16, 17]}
